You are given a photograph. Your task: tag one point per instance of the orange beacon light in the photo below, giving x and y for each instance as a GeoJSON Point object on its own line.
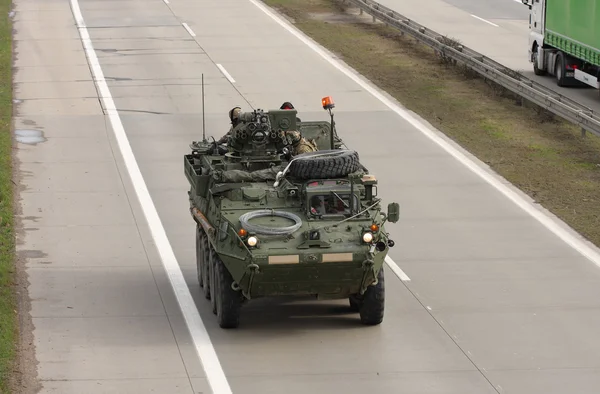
{"type": "Point", "coordinates": [327, 102]}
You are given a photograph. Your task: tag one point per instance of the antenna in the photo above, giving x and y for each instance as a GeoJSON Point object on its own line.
{"type": "Point", "coordinates": [328, 104]}
{"type": "Point", "coordinates": [333, 130]}
{"type": "Point", "coordinates": [203, 122]}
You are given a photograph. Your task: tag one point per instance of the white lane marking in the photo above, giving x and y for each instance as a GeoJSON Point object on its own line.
{"type": "Point", "coordinates": [166, 1]}
{"type": "Point", "coordinates": [396, 268]}
{"type": "Point", "coordinates": [189, 29]}
{"type": "Point", "coordinates": [571, 240]}
{"type": "Point", "coordinates": [484, 20]}
{"type": "Point", "coordinates": [227, 75]}
{"type": "Point", "coordinates": [202, 343]}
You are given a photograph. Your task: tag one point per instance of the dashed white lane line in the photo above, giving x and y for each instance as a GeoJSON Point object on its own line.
{"type": "Point", "coordinates": [189, 29]}
{"type": "Point", "coordinates": [204, 347]}
{"type": "Point", "coordinates": [585, 248]}
{"type": "Point", "coordinates": [227, 75]}
{"type": "Point", "coordinates": [396, 268]}
{"type": "Point", "coordinates": [484, 20]}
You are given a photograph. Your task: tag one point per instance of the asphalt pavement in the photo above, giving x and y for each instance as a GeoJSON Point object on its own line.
{"type": "Point", "coordinates": [498, 29]}
{"type": "Point", "coordinates": [493, 9]}
{"type": "Point", "coordinates": [495, 301]}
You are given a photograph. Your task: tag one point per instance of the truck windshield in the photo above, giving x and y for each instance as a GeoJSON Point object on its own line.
{"type": "Point", "coordinates": [332, 203]}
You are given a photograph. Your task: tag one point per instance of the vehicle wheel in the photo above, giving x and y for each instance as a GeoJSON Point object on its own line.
{"type": "Point", "coordinates": [536, 69]}
{"type": "Point", "coordinates": [211, 274]}
{"type": "Point", "coordinates": [559, 70]}
{"type": "Point", "coordinates": [373, 302]}
{"type": "Point", "coordinates": [199, 256]}
{"type": "Point", "coordinates": [228, 301]}
{"type": "Point", "coordinates": [341, 162]}
{"type": "Point", "coordinates": [205, 247]}
{"type": "Point", "coordinates": [354, 303]}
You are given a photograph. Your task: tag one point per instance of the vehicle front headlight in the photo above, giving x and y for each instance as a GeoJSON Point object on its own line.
{"type": "Point", "coordinates": [367, 237]}
{"type": "Point", "coordinates": [252, 241]}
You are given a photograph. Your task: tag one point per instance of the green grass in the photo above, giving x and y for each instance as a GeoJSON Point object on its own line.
{"type": "Point", "coordinates": [8, 329]}
{"type": "Point", "coordinates": [544, 156]}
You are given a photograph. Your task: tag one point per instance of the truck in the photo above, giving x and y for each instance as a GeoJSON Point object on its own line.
{"type": "Point", "coordinates": [273, 222]}
{"type": "Point", "coordinates": [564, 40]}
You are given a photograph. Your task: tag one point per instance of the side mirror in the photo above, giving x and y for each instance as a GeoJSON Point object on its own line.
{"type": "Point", "coordinates": [393, 213]}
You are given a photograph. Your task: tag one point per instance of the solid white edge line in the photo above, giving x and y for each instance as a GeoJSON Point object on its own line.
{"type": "Point", "coordinates": [227, 75]}
{"type": "Point", "coordinates": [204, 347]}
{"type": "Point", "coordinates": [484, 20]}
{"type": "Point", "coordinates": [576, 243]}
{"type": "Point", "coordinates": [189, 29]}
{"type": "Point", "coordinates": [396, 268]}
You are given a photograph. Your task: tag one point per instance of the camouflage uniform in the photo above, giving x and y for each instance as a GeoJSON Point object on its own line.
{"type": "Point", "coordinates": [300, 144]}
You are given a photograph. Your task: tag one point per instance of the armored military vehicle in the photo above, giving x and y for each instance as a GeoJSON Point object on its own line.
{"type": "Point", "coordinates": [271, 222]}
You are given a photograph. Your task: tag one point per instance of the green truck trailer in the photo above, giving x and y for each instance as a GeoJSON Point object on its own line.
{"type": "Point", "coordinates": [564, 40]}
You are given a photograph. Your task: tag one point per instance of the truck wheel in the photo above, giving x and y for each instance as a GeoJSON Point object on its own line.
{"type": "Point", "coordinates": [373, 302]}
{"type": "Point", "coordinates": [211, 275]}
{"type": "Point", "coordinates": [536, 69]}
{"type": "Point", "coordinates": [205, 260]}
{"type": "Point", "coordinates": [559, 70]}
{"type": "Point", "coordinates": [228, 301]}
{"type": "Point", "coordinates": [339, 162]}
{"type": "Point", "coordinates": [199, 257]}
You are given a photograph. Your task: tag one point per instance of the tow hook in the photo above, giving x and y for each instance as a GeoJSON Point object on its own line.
{"type": "Point", "coordinates": [367, 265]}
{"type": "Point", "coordinates": [253, 269]}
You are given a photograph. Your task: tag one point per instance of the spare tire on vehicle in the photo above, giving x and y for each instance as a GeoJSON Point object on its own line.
{"type": "Point", "coordinates": [324, 164]}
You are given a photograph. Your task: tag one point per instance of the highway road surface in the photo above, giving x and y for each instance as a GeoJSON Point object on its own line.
{"type": "Point", "coordinates": [490, 298]}
{"type": "Point", "coordinates": [498, 29]}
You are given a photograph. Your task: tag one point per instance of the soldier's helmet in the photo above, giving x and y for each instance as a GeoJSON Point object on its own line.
{"type": "Point", "coordinates": [234, 113]}
{"type": "Point", "coordinates": [287, 105]}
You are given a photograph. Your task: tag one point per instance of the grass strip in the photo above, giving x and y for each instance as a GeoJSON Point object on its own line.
{"type": "Point", "coordinates": [545, 157]}
{"type": "Point", "coordinates": [8, 328]}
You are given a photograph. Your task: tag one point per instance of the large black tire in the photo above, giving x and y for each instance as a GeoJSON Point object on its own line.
{"type": "Point", "coordinates": [536, 70]}
{"type": "Point", "coordinates": [199, 257]}
{"type": "Point", "coordinates": [228, 301]}
{"type": "Point", "coordinates": [372, 304]}
{"type": "Point", "coordinates": [211, 274]}
{"type": "Point", "coordinates": [341, 164]}
{"type": "Point", "coordinates": [205, 248]}
{"type": "Point", "coordinates": [559, 70]}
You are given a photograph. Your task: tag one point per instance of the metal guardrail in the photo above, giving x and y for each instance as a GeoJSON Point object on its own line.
{"type": "Point", "coordinates": [546, 98]}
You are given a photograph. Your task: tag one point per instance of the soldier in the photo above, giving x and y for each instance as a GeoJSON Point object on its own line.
{"type": "Point", "coordinates": [299, 143]}
{"type": "Point", "coordinates": [234, 116]}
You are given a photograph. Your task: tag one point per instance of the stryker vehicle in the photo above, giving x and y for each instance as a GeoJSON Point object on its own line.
{"type": "Point", "coordinates": [270, 223]}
